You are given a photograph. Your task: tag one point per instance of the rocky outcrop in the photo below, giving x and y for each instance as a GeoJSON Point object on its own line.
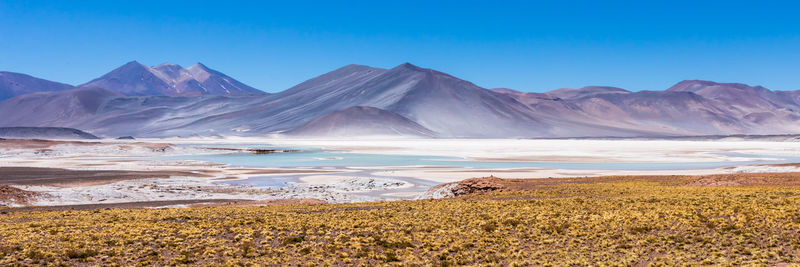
{"type": "Point", "coordinates": [12, 196]}
{"type": "Point", "coordinates": [465, 187]}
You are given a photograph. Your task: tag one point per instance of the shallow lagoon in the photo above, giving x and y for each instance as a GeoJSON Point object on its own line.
{"type": "Point", "coordinates": [317, 158]}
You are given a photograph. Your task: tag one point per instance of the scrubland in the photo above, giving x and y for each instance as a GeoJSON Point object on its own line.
{"type": "Point", "coordinates": [667, 220]}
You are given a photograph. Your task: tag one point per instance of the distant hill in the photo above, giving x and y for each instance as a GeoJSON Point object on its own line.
{"type": "Point", "coordinates": [16, 84]}
{"type": "Point", "coordinates": [361, 121]}
{"type": "Point", "coordinates": [44, 133]}
{"type": "Point", "coordinates": [688, 108]}
{"type": "Point", "coordinates": [135, 79]}
{"type": "Point", "coordinates": [168, 100]}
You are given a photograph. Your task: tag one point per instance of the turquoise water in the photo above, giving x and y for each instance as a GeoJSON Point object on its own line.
{"type": "Point", "coordinates": [316, 158]}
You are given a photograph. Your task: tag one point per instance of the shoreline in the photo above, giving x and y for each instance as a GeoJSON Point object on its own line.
{"type": "Point", "coordinates": [103, 174]}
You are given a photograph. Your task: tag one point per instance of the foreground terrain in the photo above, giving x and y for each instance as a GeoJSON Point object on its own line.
{"type": "Point", "coordinates": [729, 219]}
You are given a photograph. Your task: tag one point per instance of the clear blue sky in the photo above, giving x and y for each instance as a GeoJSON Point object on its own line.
{"type": "Point", "coordinates": [526, 45]}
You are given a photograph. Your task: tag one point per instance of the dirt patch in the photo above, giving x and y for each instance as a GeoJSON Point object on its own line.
{"type": "Point", "coordinates": [785, 165]}
{"type": "Point", "coordinates": [46, 144]}
{"type": "Point", "coordinates": [65, 177]}
{"type": "Point", "coordinates": [248, 203]}
{"type": "Point", "coordinates": [10, 194]}
{"type": "Point", "coordinates": [127, 205]}
{"type": "Point", "coordinates": [489, 184]}
{"type": "Point", "coordinates": [750, 179]}
{"type": "Point", "coordinates": [37, 144]}
{"type": "Point", "coordinates": [734, 179]}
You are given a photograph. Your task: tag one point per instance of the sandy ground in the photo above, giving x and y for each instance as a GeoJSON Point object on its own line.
{"type": "Point", "coordinates": [113, 171]}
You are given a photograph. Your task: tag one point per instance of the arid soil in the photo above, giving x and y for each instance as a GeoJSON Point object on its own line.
{"type": "Point", "coordinates": [750, 179]}
{"type": "Point", "coordinates": [131, 205]}
{"type": "Point", "coordinates": [248, 203]}
{"type": "Point", "coordinates": [65, 177]}
{"type": "Point", "coordinates": [45, 144]}
{"type": "Point", "coordinates": [489, 184]}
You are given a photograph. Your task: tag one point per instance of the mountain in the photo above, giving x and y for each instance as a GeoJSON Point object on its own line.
{"type": "Point", "coordinates": [166, 116]}
{"type": "Point", "coordinates": [44, 133]}
{"type": "Point", "coordinates": [588, 91]}
{"type": "Point", "coordinates": [437, 101]}
{"type": "Point", "coordinates": [135, 79]}
{"type": "Point", "coordinates": [58, 108]}
{"type": "Point", "coordinates": [361, 121]}
{"type": "Point", "coordinates": [15, 84]}
{"type": "Point", "coordinates": [754, 104]}
{"type": "Point", "coordinates": [740, 95]}
{"type": "Point", "coordinates": [687, 108]}
{"type": "Point", "coordinates": [404, 100]}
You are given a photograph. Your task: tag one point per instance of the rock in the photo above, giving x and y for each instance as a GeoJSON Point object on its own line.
{"type": "Point", "coordinates": [464, 187]}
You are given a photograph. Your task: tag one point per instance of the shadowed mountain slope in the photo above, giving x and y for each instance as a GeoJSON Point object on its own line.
{"type": "Point", "coordinates": [60, 108]}
{"type": "Point", "coordinates": [361, 121]}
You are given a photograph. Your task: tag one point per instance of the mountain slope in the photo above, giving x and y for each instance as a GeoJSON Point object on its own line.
{"type": "Point", "coordinates": [44, 133]}
{"type": "Point", "coordinates": [588, 91]}
{"type": "Point", "coordinates": [135, 79]}
{"type": "Point", "coordinates": [418, 101]}
{"type": "Point", "coordinates": [165, 116]}
{"type": "Point", "coordinates": [132, 79]}
{"type": "Point", "coordinates": [688, 108]}
{"type": "Point", "coordinates": [217, 83]}
{"type": "Point", "coordinates": [61, 108]}
{"type": "Point", "coordinates": [437, 101]}
{"type": "Point", "coordinates": [360, 121]}
{"type": "Point", "coordinates": [16, 84]}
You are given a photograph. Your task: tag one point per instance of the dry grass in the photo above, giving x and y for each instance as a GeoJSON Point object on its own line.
{"type": "Point", "coordinates": [660, 220]}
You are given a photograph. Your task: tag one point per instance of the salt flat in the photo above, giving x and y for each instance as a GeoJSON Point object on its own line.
{"type": "Point", "coordinates": [357, 182]}
{"type": "Point", "coordinates": [549, 150]}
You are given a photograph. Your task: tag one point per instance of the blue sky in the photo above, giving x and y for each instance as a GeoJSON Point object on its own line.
{"type": "Point", "coordinates": [525, 45]}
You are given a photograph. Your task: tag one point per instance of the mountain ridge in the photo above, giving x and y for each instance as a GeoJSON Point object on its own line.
{"type": "Point", "coordinates": [436, 101]}
{"type": "Point", "coordinates": [136, 79]}
{"type": "Point", "coordinates": [15, 84]}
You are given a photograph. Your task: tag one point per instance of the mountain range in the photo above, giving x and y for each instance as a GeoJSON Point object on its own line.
{"type": "Point", "coordinates": [169, 100]}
